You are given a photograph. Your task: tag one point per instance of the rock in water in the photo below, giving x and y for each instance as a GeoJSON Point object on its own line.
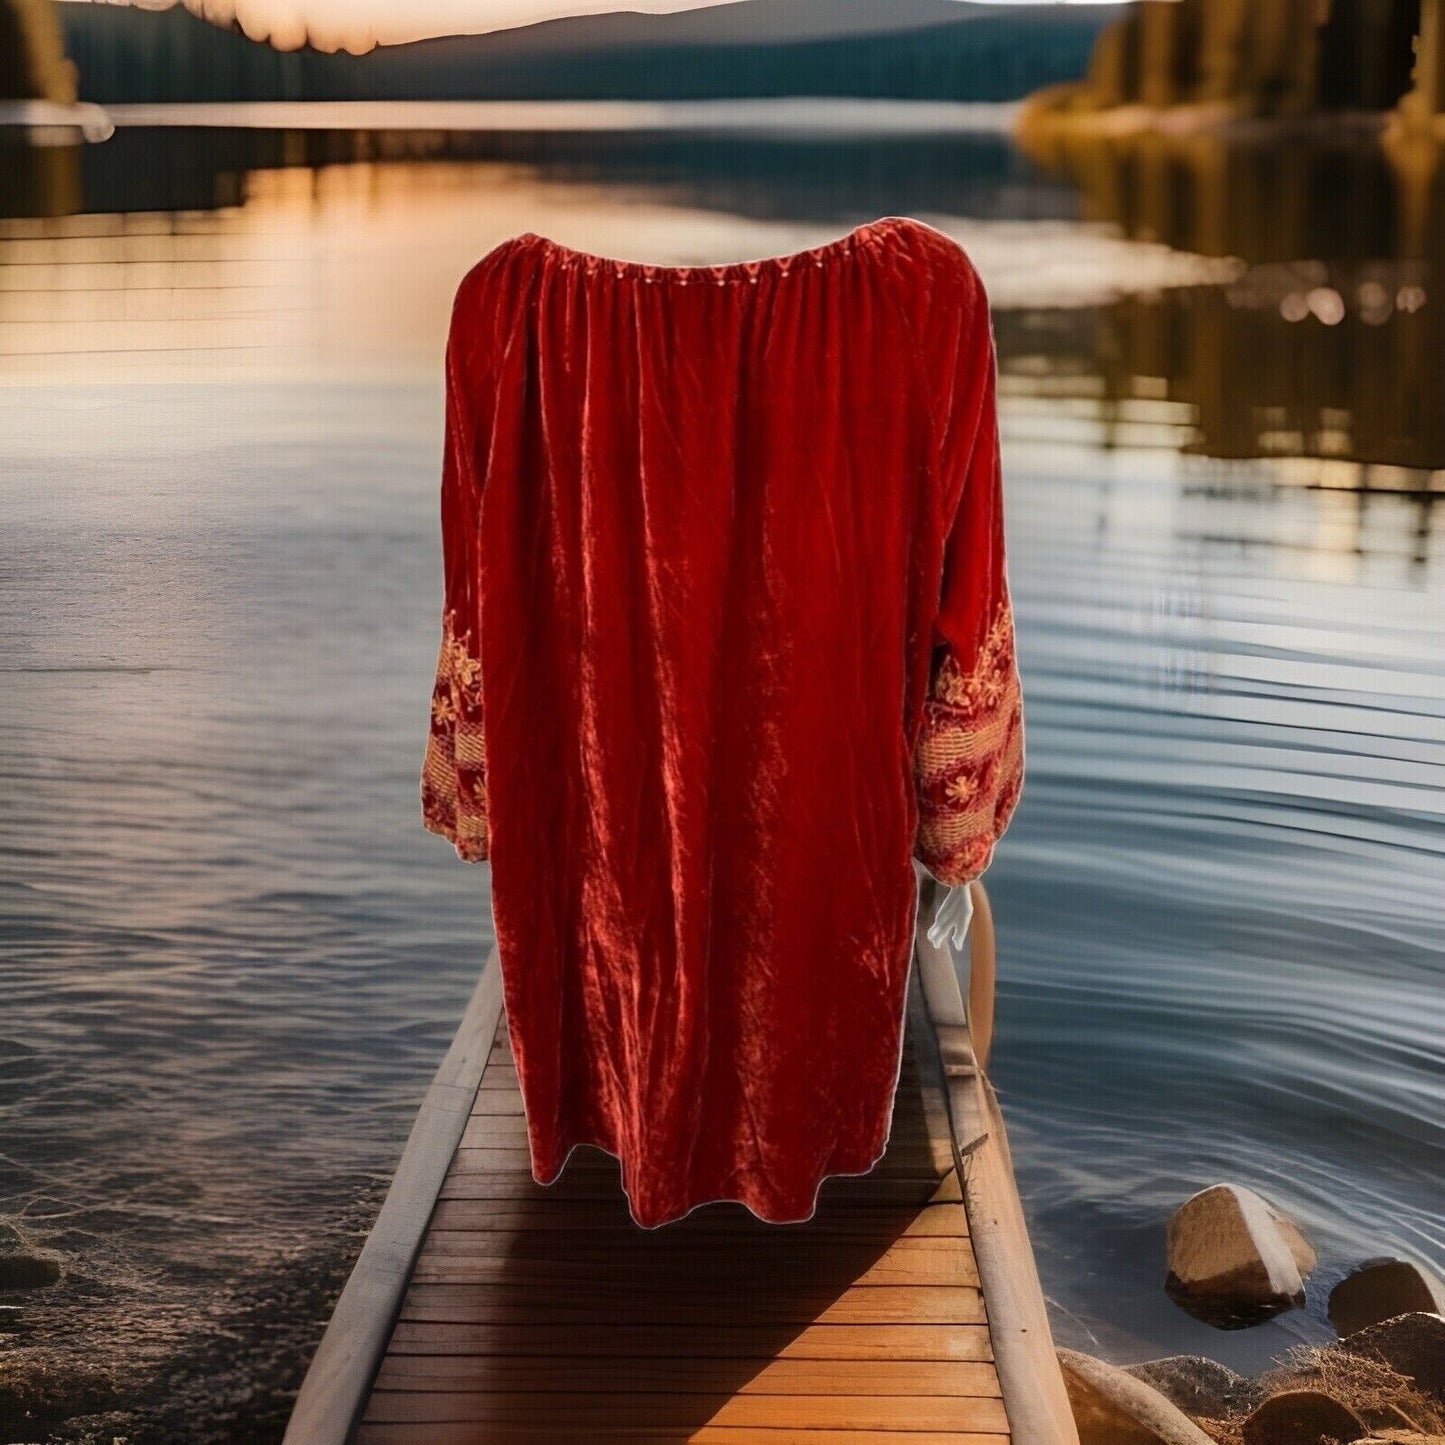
{"type": "Point", "coordinates": [1413, 1345]}
{"type": "Point", "coordinates": [1200, 1387]}
{"type": "Point", "coordinates": [22, 1267]}
{"type": "Point", "coordinates": [27, 1271]}
{"type": "Point", "coordinates": [1112, 1407]}
{"type": "Point", "coordinates": [1380, 1289]}
{"type": "Point", "coordinates": [1234, 1259]}
{"type": "Point", "coordinates": [1303, 1417]}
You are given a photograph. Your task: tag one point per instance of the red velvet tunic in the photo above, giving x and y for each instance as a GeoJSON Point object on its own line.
{"type": "Point", "coordinates": [727, 643]}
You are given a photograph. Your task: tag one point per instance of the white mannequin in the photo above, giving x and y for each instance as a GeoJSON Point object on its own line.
{"type": "Point", "coordinates": [952, 916]}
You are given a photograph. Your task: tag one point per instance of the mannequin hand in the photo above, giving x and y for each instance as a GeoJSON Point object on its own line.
{"type": "Point", "coordinates": [952, 916]}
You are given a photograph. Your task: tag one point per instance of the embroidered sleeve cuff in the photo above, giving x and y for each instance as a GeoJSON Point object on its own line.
{"type": "Point", "coordinates": [969, 761]}
{"type": "Point", "coordinates": [453, 782]}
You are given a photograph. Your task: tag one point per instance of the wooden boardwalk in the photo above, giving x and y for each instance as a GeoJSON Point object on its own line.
{"type": "Point", "coordinates": [543, 1314]}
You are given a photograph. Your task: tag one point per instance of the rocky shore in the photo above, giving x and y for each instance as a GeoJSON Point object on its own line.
{"type": "Point", "coordinates": [1234, 1260]}
{"type": "Point", "coordinates": [235, 1380]}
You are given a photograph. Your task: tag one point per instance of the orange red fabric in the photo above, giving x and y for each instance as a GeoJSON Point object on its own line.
{"type": "Point", "coordinates": [727, 642]}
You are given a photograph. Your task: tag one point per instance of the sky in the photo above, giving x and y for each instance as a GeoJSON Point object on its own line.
{"type": "Point", "coordinates": [357, 25]}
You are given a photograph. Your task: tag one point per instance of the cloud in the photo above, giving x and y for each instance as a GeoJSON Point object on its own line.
{"type": "Point", "coordinates": [359, 25]}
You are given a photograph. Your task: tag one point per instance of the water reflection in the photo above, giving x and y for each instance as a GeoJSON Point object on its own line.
{"type": "Point", "coordinates": [296, 270]}
{"type": "Point", "coordinates": [1349, 194]}
{"type": "Point", "coordinates": [1345, 402]}
{"type": "Point", "coordinates": [1326, 343]}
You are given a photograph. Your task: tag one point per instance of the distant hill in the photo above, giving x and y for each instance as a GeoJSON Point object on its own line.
{"type": "Point", "coordinates": [910, 49]}
{"type": "Point", "coordinates": [743, 22]}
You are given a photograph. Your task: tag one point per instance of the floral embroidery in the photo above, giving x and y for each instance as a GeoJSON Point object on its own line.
{"type": "Point", "coordinates": [968, 763]}
{"type": "Point", "coordinates": [962, 788]}
{"type": "Point", "coordinates": [453, 783]}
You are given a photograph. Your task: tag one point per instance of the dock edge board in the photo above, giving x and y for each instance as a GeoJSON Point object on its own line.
{"type": "Point", "coordinates": [1030, 1376]}
{"type": "Point", "coordinates": [334, 1394]}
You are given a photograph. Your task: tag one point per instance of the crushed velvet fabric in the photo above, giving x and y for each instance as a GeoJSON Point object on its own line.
{"type": "Point", "coordinates": [726, 645]}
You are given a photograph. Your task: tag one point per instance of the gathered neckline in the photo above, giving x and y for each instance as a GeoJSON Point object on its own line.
{"type": "Point", "coordinates": [719, 273]}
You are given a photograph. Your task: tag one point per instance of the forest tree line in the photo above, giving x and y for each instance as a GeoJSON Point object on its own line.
{"type": "Point", "coordinates": [126, 55]}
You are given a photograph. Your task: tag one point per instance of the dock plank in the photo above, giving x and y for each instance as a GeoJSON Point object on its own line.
{"type": "Point", "coordinates": [586, 1413]}
{"type": "Point", "coordinates": [491, 1304]}
{"type": "Point", "coordinates": [466, 1433]}
{"type": "Point", "coordinates": [472, 1178]}
{"type": "Point", "coordinates": [722, 1341]}
{"type": "Point", "coordinates": [682, 1374]}
{"type": "Point", "coordinates": [487, 1216]}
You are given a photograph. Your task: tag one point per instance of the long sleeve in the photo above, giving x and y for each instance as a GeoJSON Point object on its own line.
{"type": "Point", "coordinates": [969, 759]}
{"type": "Point", "coordinates": [453, 784]}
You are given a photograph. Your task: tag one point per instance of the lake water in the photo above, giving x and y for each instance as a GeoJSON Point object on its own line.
{"type": "Point", "coordinates": [233, 958]}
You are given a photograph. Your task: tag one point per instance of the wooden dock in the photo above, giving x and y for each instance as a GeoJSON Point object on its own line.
{"type": "Point", "coordinates": [487, 1309]}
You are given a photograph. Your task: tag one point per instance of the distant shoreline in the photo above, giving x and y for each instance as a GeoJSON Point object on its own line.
{"type": "Point", "coordinates": [794, 114]}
